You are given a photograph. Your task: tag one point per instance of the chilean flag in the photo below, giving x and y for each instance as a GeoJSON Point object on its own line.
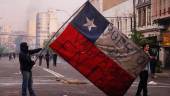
{"type": "Point", "coordinates": [81, 45]}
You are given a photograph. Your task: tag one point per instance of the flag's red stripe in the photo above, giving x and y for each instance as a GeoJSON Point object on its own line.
{"type": "Point", "coordinates": [91, 62]}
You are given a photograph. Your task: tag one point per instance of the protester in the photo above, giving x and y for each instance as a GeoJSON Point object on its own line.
{"type": "Point", "coordinates": [10, 56]}
{"type": "Point", "coordinates": [26, 65]}
{"type": "Point", "coordinates": [14, 55]}
{"type": "Point", "coordinates": [54, 59]}
{"type": "Point", "coordinates": [153, 62]}
{"type": "Point", "coordinates": [0, 55]}
{"type": "Point", "coordinates": [40, 59]}
{"type": "Point", "coordinates": [47, 58]}
{"type": "Point", "coordinates": [144, 76]}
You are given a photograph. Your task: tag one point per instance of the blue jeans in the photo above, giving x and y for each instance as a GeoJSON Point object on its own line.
{"type": "Point", "coordinates": [27, 83]}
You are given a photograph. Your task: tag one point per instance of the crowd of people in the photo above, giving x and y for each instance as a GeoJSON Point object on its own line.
{"type": "Point", "coordinates": [47, 57]}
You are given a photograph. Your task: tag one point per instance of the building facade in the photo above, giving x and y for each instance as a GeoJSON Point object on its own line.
{"type": "Point", "coordinates": [31, 29]}
{"type": "Point", "coordinates": [5, 31]}
{"type": "Point", "coordinates": [161, 16]}
{"type": "Point", "coordinates": [120, 14]}
{"type": "Point", "coordinates": [46, 24]}
{"type": "Point", "coordinates": [144, 21]}
{"type": "Point", "coordinates": [16, 37]}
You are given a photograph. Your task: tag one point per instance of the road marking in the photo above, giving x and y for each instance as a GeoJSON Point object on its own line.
{"type": "Point", "coordinates": [17, 73]}
{"type": "Point", "coordinates": [166, 84]}
{"type": "Point", "coordinates": [61, 77]}
{"type": "Point", "coordinates": [44, 76]}
{"type": "Point", "coordinates": [153, 86]}
{"type": "Point", "coordinates": [36, 83]}
{"type": "Point", "coordinates": [158, 83]}
{"type": "Point", "coordinates": [53, 72]}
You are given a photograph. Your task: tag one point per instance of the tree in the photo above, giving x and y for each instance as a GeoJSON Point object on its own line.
{"type": "Point", "coordinates": [139, 39]}
{"type": "Point", "coordinates": [46, 45]}
{"type": "Point", "coordinates": [2, 49]}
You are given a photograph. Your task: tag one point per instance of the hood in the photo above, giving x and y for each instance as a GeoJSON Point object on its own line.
{"type": "Point", "coordinates": [24, 47]}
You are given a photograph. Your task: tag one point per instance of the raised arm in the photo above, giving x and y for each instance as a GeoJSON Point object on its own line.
{"type": "Point", "coordinates": [34, 51]}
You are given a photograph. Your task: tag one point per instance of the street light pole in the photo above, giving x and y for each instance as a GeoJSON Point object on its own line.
{"type": "Point", "coordinates": [134, 15]}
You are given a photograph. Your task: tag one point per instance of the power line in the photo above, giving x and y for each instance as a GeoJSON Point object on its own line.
{"type": "Point", "coordinates": [22, 35]}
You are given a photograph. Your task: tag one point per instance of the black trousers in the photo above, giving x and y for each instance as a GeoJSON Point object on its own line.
{"type": "Point", "coordinates": [54, 60]}
{"type": "Point", "coordinates": [153, 66]}
{"type": "Point", "coordinates": [143, 83]}
{"type": "Point", "coordinates": [47, 61]}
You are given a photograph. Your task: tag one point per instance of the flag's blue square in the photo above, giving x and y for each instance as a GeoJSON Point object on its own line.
{"type": "Point", "coordinates": [90, 22]}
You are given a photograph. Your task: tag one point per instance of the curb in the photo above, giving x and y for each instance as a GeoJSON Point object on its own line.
{"type": "Point", "coordinates": [163, 75]}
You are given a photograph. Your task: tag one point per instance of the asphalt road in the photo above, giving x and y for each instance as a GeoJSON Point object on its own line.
{"type": "Point", "coordinates": [63, 80]}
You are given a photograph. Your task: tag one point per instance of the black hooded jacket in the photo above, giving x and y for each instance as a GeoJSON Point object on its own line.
{"type": "Point", "coordinates": [24, 57]}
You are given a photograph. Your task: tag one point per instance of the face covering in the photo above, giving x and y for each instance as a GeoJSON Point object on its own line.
{"type": "Point", "coordinates": [24, 47]}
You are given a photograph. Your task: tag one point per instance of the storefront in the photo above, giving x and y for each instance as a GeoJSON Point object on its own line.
{"type": "Point", "coordinates": [166, 47]}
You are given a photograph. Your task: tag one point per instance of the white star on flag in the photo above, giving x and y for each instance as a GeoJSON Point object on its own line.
{"type": "Point", "coordinates": [89, 23]}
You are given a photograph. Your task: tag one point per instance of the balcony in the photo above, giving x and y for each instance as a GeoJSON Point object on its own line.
{"type": "Point", "coordinates": [148, 28]}
{"type": "Point", "coordinates": [163, 15]}
{"type": "Point", "coordinates": [143, 4]}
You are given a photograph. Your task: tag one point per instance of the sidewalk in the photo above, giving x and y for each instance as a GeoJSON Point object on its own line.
{"type": "Point", "coordinates": [165, 73]}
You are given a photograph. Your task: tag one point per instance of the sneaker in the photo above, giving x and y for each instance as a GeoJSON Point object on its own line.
{"type": "Point", "coordinates": [152, 83]}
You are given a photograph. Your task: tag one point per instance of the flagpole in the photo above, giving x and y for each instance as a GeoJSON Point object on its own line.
{"type": "Point", "coordinates": [59, 30]}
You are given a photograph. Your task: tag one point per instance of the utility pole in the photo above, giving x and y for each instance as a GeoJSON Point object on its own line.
{"type": "Point", "coordinates": [134, 15]}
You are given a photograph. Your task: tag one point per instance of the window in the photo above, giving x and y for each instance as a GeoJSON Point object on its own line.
{"type": "Point", "coordinates": [139, 17]}
{"type": "Point", "coordinates": [168, 10]}
{"type": "Point", "coordinates": [160, 7]}
{"type": "Point", "coordinates": [140, 1]}
{"type": "Point", "coordinates": [118, 22]}
{"type": "Point", "coordinates": [144, 17]}
{"type": "Point", "coordinates": [149, 16]}
{"type": "Point", "coordinates": [164, 6]}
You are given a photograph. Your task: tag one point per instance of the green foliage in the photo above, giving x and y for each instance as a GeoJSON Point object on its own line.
{"type": "Point", "coordinates": [139, 39]}
{"type": "Point", "coordinates": [2, 49]}
{"type": "Point", "coordinates": [46, 45]}
{"type": "Point", "coordinates": [159, 67]}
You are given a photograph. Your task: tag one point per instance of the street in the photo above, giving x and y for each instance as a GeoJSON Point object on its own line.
{"type": "Point", "coordinates": [63, 80]}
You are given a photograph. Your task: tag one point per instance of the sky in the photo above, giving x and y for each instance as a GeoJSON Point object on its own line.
{"type": "Point", "coordinates": [17, 12]}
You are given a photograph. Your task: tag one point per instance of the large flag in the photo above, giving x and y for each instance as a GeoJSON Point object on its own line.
{"type": "Point", "coordinates": [100, 52]}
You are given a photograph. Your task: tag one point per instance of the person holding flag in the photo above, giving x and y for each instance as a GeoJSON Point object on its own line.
{"type": "Point", "coordinates": [144, 76]}
{"type": "Point", "coordinates": [26, 65]}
